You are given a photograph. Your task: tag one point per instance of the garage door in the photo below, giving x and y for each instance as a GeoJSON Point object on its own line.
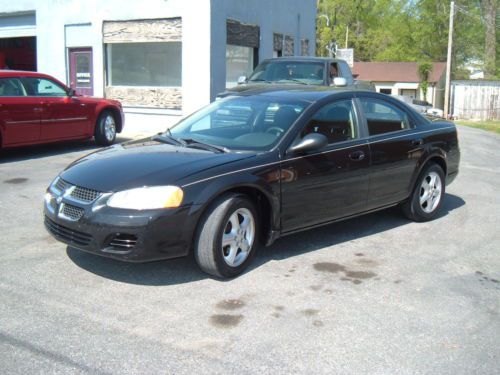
{"type": "Point", "coordinates": [18, 25]}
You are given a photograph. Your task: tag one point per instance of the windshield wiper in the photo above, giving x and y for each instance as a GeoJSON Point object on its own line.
{"type": "Point", "coordinates": [294, 80]}
{"type": "Point", "coordinates": [259, 80]}
{"type": "Point", "coordinates": [167, 137]}
{"type": "Point", "coordinates": [190, 142]}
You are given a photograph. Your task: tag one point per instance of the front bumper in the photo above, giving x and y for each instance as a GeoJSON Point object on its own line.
{"type": "Point", "coordinates": [134, 236]}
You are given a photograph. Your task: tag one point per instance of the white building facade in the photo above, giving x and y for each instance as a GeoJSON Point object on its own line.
{"type": "Point", "coordinates": [159, 57]}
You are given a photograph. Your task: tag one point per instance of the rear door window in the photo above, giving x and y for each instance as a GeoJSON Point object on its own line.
{"type": "Point", "coordinates": [11, 87]}
{"type": "Point", "coordinates": [383, 117]}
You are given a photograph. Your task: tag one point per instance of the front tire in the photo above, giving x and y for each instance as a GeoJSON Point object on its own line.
{"type": "Point", "coordinates": [227, 236]}
{"type": "Point", "coordinates": [105, 130]}
{"type": "Point", "coordinates": [427, 197]}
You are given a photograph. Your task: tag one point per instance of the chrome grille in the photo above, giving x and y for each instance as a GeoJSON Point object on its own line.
{"type": "Point", "coordinates": [84, 194]}
{"type": "Point", "coordinates": [72, 212]}
{"type": "Point", "coordinates": [67, 235]}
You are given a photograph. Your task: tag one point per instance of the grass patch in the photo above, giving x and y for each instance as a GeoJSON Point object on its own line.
{"type": "Point", "coordinates": [492, 126]}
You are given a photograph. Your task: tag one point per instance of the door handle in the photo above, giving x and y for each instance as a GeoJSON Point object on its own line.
{"type": "Point", "coordinates": [357, 155]}
{"type": "Point", "coordinates": [417, 142]}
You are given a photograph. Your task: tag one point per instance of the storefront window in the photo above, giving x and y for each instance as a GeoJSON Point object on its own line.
{"type": "Point", "coordinates": [239, 62]}
{"type": "Point", "coordinates": [144, 64]}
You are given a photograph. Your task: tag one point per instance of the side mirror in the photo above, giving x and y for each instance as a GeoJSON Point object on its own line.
{"type": "Point", "coordinates": [71, 92]}
{"type": "Point", "coordinates": [311, 142]}
{"type": "Point", "coordinates": [340, 82]}
{"type": "Point", "coordinates": [242, 80]}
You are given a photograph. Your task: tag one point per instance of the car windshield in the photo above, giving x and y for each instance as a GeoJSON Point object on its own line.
{"type": "Point", "coordinates": [239, 123]}
{"type": "Point", "coordinates": [305, 72]}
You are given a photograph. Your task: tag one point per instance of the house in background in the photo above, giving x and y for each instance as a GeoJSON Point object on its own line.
{"type": "Point", "coordinates": [158, 57]}
{"type": "Point", "coordinates": [401, 78]}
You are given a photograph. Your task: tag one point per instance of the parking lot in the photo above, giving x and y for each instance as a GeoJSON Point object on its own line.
{"type": "Point", "coordinates": [376, 294]}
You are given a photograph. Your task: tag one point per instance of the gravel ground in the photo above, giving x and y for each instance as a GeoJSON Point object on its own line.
{"type": "Point", "coordinates": [376, 294]}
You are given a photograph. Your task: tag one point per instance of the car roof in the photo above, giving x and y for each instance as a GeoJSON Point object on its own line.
{"type": "Point", "coordinates": [21, 73]}
{"type": "Point", "coordinates": [297, 92]}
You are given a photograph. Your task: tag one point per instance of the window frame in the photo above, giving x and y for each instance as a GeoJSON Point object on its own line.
{"type": "Point", "coordinates": [391, 102]}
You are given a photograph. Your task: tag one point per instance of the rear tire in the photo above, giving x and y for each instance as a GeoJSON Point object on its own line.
{"type": "Point", "coordinates": [227, 236]}
{"type": "Point", "coordinates": [427, 197]}
{"type": "Point", "coordinates": [105, 129]}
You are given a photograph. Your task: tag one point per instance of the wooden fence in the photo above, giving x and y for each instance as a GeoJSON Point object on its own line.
{"type": "Point", "coordinates": [475, 100]}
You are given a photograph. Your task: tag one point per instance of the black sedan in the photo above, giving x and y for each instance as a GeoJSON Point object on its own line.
{"type": "Point", "coordinates": [251, 168]}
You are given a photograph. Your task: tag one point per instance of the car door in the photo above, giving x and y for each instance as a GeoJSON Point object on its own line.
{"type": "Point", "coordinates": [63, 117]}
{"type": "Point", "coordinates": [395, 148]}
{"type": "Point", "coordinates": [329, 183]}
{"type": "Point", "coordinates": [19, 113]}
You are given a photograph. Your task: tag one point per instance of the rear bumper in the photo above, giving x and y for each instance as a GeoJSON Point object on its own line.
{"type": "Point", "coordinates": [134, 238]}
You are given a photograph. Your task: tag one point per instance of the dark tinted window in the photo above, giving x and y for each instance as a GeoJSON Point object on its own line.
{"type": "Point", "coordinates": [383, 117]}
{"type": "Point", "coordinates": [337, 121]}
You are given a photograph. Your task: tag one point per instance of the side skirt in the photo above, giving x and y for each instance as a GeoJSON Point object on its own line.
{"type": "Point", "coordinates": [275, 235]}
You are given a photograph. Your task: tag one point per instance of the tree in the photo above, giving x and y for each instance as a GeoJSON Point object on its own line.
{"type": "Point", "coordinates": [409, 30]}
{"type": "Point", "coordinates": [424, 72]}
{"type": "Point", "coordinates": [489, 8]}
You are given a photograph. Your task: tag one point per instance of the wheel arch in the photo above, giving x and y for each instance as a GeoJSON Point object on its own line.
{"type": "Point", "coordinates": [436, 158]}
{"type": "Point", "coordinates": [116, 114]}
{"type": "Point", "coordinates": [266, 209]}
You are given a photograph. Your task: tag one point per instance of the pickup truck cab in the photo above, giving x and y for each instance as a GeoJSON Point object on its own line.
{"type": "Point", "coordinates": [315, 71]}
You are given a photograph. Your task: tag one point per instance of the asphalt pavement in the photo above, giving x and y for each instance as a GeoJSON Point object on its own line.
{"type": "Point", "coordinates": [373, 295]}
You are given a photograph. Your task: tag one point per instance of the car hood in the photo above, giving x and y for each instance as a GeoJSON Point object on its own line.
{"type": "Point", "coordinates": [254, 88]}
{"type": "Point", "coordinates": [143, 162]}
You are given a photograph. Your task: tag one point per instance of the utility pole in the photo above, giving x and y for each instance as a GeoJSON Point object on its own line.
{"type": "Point", "coordinates": [448, 63]}
{"type": "Point", "coordinates": [347, 37]}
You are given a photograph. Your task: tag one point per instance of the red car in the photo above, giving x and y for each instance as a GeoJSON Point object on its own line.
{"type": "Point", "coordinates": [37, 108]}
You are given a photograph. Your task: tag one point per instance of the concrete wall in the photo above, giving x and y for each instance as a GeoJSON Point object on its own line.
{"type": "Point", "coordinates": [296, 18]}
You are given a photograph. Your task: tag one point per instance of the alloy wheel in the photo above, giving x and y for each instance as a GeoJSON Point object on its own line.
{"type": "Point", "coordinates": [109, 128]}
{"type": "Point", "coordinates": [430, 192]}
{"type": "Point", "coordinates": [238, 237]}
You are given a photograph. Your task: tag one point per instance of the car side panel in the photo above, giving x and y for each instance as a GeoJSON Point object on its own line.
{"type": "Point", "coordinates": [65, 117]}
{"type": "Point", "coordinates": [441, 145]}
{"type": "Point", "coordinates": [324, 186]}
{"type": "Point", "coordinates": [261, 174]}
{"type": "Point", "coordinates": [394, 159]}
{"type": "Point", "coordinates": [20, 120]}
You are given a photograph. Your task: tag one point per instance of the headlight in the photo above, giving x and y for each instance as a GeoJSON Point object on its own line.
{"type": "Point", "coordinates": [147, 198]}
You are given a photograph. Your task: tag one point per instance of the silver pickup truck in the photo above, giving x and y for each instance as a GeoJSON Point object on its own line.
{"type": "Point", "coordinates": [316, 71]}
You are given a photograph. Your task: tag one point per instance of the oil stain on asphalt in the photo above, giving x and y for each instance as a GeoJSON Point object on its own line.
{"type": "Point", "coordinates": [226, 320]}
{"type": "Point", "coordinates": [355, 277]}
